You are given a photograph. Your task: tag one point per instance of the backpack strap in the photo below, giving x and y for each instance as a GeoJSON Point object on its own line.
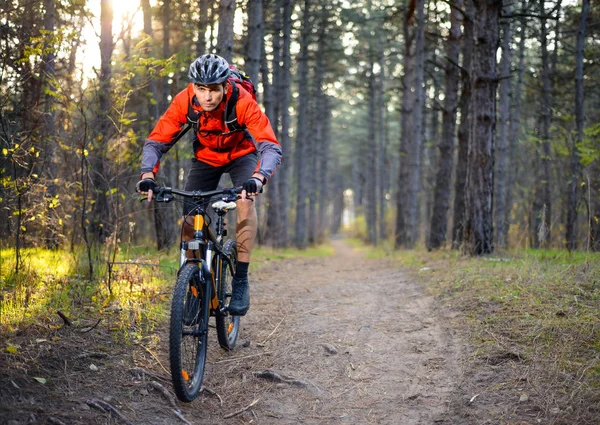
{"type": "Point", "coordinates": [230, 118]}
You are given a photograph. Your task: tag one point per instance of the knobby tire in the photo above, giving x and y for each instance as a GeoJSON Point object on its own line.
{"type": "Point", "coordinates": [188, 332]}
{"type": "Point", "coordinates": [228, 326]}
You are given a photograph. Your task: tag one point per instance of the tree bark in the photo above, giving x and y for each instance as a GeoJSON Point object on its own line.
{"type": "Point", "coordinates": [571, 228]}
{"type": "Point", "coordinates": [225, 37]}
{"type": "Point", "coordinates": [480, 172]}
{"type": "Point", "coordinates": [416, 140]}
{"type": "Point", "coordinates": [301, 153]}
{"type": "Point", "coordinates": [515, 121]}
{"type": "Point", "coordinates": [542, 203]}
{"type": "Point", "coordinates": [101, 218]}
{"type": "Point", "coordinates": [464, 134]}
{"type": "Point", "coordinates": [501, 161]}
{"type": "Point", "coordinates": [203, 8]}
{"type": "Point", "coordinates": [441, 202]}
{"type": "Point", "coordinates": [406, 132]}
{"type": "Point", "coordinates": [254, 40]}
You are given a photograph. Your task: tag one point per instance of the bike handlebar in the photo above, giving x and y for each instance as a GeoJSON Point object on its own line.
{"type": "Point", "coordinates": [162, 193]}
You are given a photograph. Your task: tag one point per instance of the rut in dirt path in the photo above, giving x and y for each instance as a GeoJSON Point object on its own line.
{"type": "Point", "coordinates": [369, 345]}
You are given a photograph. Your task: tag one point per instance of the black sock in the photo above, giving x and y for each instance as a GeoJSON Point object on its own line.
{"type": "Point", "coordinates": [241, 272]}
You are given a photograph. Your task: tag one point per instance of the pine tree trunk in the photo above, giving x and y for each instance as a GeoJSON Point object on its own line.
{"type": "Point", "coordinates": [371, 157]}
{"type": "Point", "coordinates": [302, 137]}
{"type": "Point", "coordinates": [254, 40]}
{"type": "Point", "coordinates": [571, 228]}
{"type": "Point", "coordinates": [542, 203]}
{"type": "Point", "coordinates": [381, 169]}
{"type": "Point", "coordinates": [283, 239]}
{"type": "Point", "coordinates": [52, 241]}
{"type": "Point", "coordinates": [501, 161]}
{"type": "Point", "coordinates": [515, 121]}
{"type": "Point", "coordinates": [406, 132]}
{"type": "Point", "coordinates": [101, 218]}
{"type": "Point", "coordinates": [225, 37]}
{"type": "Point", "coordinates": [203, 8]}
{"type": "Point", "coordinates": [416, 140]}
{"type": "Point", "coordinates": [163, 218]}
{"type": "Point", "coordinates": [441, 203]}
{"type": "Point", "coordinates": [464, 134]}
{"type": "Point", "coordinates": [480, 173]}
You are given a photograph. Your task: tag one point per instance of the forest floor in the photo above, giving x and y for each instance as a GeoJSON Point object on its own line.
{"type": "Point", "coordinates": [354, 341]}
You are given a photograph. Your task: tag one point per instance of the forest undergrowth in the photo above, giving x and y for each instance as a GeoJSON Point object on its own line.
{"type": "Point", "coordinates": [538, 310]}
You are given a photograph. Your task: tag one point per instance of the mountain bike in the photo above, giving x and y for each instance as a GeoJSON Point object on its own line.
{"type": "Point", "coordinates": [203, 287]}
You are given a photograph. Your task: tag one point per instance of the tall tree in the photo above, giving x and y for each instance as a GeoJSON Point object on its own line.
{"type": "Point", "coordinates": [301, 149]}
{"type": "Point", "coordinates": [441, 202]}
{"type": "Point", "coordinates": [225, 37]}
{"type": "Point", "coordinates": [542, 203]}
{"type": "Point", "coordinates": [416, 140]}
{"type": "Point", "coordinates": [480, 173]}
{"type": "Point", "coordinates": [406, 127]}
{"type": "Point", "coordinates": [203, 9]}
{"type": "Point", "coordinates": [254, 40]}
{"type": "Point", "coordinates": [501, 160]}
{"type": "Point", "coordinates": [464, 129]}
{"type": "Point", "coordinates": [571, 234]}
{"type": "Point", "coordinates": [515, 128]}
{"type": "Point", "coordinates": [101, 210]}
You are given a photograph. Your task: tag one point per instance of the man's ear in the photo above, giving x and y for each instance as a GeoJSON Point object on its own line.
{"type": "Point", "coordinates": [226, 86]}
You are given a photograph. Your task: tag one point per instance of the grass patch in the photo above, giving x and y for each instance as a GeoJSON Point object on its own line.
{"type": "Point", "coordinates": [541, 307]}
{"type": "Point", "coordinates": [131, 300]}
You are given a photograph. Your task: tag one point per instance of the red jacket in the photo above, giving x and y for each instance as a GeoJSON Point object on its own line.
{"type": "Point", "coordinates": [220, 148]}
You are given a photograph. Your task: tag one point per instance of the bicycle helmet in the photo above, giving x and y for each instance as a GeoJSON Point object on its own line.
{"type": "Point", "coordinates": [209, 69]}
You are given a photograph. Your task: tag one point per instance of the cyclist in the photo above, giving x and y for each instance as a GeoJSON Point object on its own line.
{"type": "Point", "coordinates": [218, 150]}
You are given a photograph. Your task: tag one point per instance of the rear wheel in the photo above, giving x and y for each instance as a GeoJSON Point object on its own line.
{"type": "Point", "coordinates": [188, 333]}
{"type": "Point", "coordinates": [228, 326]}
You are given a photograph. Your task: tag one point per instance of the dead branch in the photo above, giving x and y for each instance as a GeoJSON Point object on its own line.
{"type": "Point", "coordinates": [267, 338]}
{"type": "Point", "coordinates": [142, 371]}
{"type": "Point", "coordinates": [55, 421]}
{"type": "Point", "coordinates": [155, 358]}
{"type": "Point", "coordinates": [64, 318]}
{"type": "Point", "coordinates": [86, 330]}
{"type": "Point", "coordinates": [166, 394]}
{"type": "Point", "coordinates": [107, 407]}
{"type": "Point", "coordinates": [181, 417]}
{"type": "Point", "coordinates": [238, 412]}
{"type": "Point", "coordinates": [211, 392]}
{"type": "Point", "coordinates": [271, 375]}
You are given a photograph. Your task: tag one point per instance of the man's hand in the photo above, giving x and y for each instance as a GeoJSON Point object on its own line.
{"type": "Point", "coordinates": [146, 185]}
{"type": "Point", "coordinates": [253, 186]}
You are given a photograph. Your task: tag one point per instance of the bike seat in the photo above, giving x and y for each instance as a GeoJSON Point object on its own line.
{"type": "Point", "coordinates": [224, 206]}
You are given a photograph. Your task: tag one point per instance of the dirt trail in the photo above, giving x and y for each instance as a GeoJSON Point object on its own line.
{"type": "Point", "coordinates": [359, 342]}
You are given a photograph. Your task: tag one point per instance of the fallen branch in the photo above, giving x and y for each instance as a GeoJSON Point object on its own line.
{"type": "Point", "coordinates": [155, 358]}
{"type": "Point", "coordinates": [142, 371]}
{"type": "Point", "coordinates": [181, 417]}
{"type": "Point", "coordinates": [267, 338]}
{"type": "Point", "coordinates": [64, 318]}
{"type": "Point", "coordinates": [271, 375]}
{"type": "Point", "coordinates": [102, 405]}
{"type": "Point", "coordinates": [55, 421]}
{"type": "Point", "coordinates": [166, 394]}
{"type": "Point", "coordinates": [84, 330]}
{"type": "Point", "coordinates": [208, 390]}
{"type": "Point", "coordinates": [238, 412]}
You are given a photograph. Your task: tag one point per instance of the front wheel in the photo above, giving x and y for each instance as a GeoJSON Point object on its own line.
{"type": "Point", "coordinates": [188, 332]}
{"type": "Point", "coordinates": [228, 326]}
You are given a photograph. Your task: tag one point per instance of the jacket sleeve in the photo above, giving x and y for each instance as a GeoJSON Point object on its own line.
{"type": "Point", "coordinates": [161, 139]}
{"type": "Point", "coordinates": [258, 125]}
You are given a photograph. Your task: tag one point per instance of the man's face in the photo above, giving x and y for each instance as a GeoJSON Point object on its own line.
{"type": "Point", "coordinates": [210, 96]}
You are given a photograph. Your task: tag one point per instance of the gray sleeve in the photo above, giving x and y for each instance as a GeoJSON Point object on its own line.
{"type": "Point", "coordinates": [152, 153]}
{"type": "Point", "coordinates": [270, 158]}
